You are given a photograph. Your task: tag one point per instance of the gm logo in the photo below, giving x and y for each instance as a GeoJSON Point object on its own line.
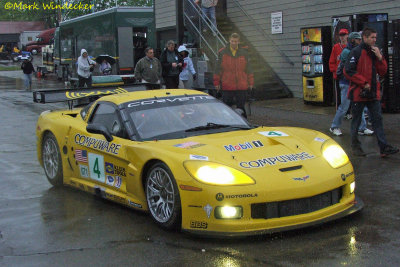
{"type": "Point", "coordinates": [219, 196]}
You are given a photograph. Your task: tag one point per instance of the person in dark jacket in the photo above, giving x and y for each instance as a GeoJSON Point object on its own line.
{"type": "Point", "coordinates": [363, 65]}
{"type": "Point", "coordinates": [27, 69]}
{"type": "Point", "coordinates": [233, 74]}
{"type": "Point", "coordinates": [171, 62]}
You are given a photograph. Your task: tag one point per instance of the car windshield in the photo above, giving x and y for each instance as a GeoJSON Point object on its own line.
{"type": "Point", "coordinates": [183, 119]}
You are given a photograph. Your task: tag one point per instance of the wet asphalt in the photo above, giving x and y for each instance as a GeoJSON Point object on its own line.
{"type": "Point", "coordinates": [45, 226]}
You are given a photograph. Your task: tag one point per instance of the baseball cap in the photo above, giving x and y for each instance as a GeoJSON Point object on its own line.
{"type": "Point", "coordinates": [354, 35]}
{"type": "Point", "coordinates": [343, 32]}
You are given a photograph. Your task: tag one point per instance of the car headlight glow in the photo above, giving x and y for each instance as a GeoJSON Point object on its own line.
{"type": "Point", "coordinates": [216, 174]}
{"type": "Point", "coordinates": [228, 212]}
{"type": "Point", "coordinates": [352, 187]}
{"type": "Point", "coordinates": [334, 154]}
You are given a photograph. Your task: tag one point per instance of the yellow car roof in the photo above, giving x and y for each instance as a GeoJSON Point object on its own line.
{"type": "Point", "coordinates": [137, 95]}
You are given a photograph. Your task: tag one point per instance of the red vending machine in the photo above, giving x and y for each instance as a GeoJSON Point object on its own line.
{"type": "Point", "coordinates": [316, 46]}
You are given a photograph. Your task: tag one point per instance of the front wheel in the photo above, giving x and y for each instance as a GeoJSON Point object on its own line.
{"type": "Point", "coordinates": [162, 196]}
{"type": "Point", "coordinates": [52, 160]}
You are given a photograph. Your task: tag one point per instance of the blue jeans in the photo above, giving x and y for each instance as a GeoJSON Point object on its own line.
{"type": "Point", "coordinates": [210, 13]}
{"type": "Point", "coordinates": [28, 81]}
{"type": "Point", "coordinates": [375, 113]}
{"type": "Point", "coordinates": [342, 109]}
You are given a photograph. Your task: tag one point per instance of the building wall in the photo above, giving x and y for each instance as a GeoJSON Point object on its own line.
{"type": "Point", "coordinates": [165, 13]}
{"type": "Point", "coordinates": [296, 14]}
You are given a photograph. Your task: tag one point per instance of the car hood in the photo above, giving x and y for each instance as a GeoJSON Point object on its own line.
{"type": "Point", "coordinates": [284, 158]}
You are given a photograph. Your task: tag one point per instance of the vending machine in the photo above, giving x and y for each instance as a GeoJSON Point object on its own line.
{"type": "Point", "coordinates": [316, 46]}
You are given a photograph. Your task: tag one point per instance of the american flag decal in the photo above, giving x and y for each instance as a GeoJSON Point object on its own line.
{"type": "Point", "coordinates": [81, 155]}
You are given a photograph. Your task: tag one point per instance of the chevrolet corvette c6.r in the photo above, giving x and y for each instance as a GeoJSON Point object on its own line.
{"type": "Point", "coordinates": [195, 164]}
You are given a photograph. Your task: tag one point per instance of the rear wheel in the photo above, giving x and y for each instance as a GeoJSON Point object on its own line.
{"type": "Point", "coordinates": [162, 196]}
{"type": "Point", "coordinates": [52, 160]}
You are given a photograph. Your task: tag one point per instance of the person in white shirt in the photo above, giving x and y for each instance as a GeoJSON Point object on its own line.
{"type": "Point", "coordinates": [188, 74]}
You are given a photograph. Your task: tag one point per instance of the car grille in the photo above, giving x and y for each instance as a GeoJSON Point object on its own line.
{"type": "Point", "coordinates": [292, 207]}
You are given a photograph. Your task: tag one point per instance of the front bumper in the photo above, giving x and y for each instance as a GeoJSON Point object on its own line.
{"type": "Point", "coordinates": [316, 218]}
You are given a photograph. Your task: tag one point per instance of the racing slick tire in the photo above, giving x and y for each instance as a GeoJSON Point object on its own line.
{"type": "Point", "coordinates": [52, 160]}
{"type": "Point", "coordinates": [162, 196]}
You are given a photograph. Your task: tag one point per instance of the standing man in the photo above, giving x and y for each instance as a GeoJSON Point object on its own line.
{"type": "Point", "coordinates": [85, 69]}
{"type": "Point", "coordinates": [208, 8]}
{"type": "Point", "coordinates": [233, 74]}
{"type": "Point", "coordinates": [171, 62]}
{"type": "Point", "coordinates": [334, 61]}
{"type": "Point", "coordinates": [148, 69]}
{"type": "Point", "coordinates": [364, 64]}
{"type": "Point", "coordinates": [354, 40]}
{"type": "Point", "coordinates": [27, 69]}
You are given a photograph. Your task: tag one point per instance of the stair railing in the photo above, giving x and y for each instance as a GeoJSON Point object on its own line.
{"type": "Point", "coordinates": [198, 23]}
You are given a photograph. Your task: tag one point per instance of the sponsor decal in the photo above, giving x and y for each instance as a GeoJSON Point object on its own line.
{"type": "Point", "coordinates": [198, 224]}
{"type": "Point", "coordinates": [241, 196]}
{"type": "Point", "coordinates": [198, 157]}
{"type": "Point", "coordinates": [81, 155]}
{"type": "Point", "coordinates": [319, 139]}
{"type": "Point", "coordinates": [219, 196]}
{"type": "Point", "coordinates": [98, 144]}
{"type": "Point", "coordinates": [345, 176]}
{"type": "Point", "coordinates": [96, 167]}
{"type": "Point", "coordinates": [189, 145]}
{"type": "Point", "coordinates": [207, 208]}
{"type": "Point", "coordinates": [84, 170]}
{"type": "Point", "coordinates": [259, 163]}
{"type": "Point", "coordinates": [115, 198]}
{"type": "Point", "coordinates": [244, 146]}
{"type": "Point", "coordinates": [168, 100]}
{"type": "Point", "coordinates": [119, 171]}
{"type": "Point", "coordinates": [110, 180]}
{"type": "Point", "coordinates": [118, 182]}
{"type": "Point", "coordinates": [302, 178]}
{"type": "Point", "coordinates": [109, 168]}
{"type": "Point", "coordinates": [133, 204]}
{"type": "Point", "coordinates": [273, 133]}
{"type": "Point", "coordinates": [75, 95]}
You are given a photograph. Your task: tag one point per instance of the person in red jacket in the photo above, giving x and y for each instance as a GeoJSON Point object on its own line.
{"type": "Point", "coordinates": [364, 63]}
{"type": "Point", "coordinates": [233, 74]}
{"type": "Point", "coordinates": [334, 61]}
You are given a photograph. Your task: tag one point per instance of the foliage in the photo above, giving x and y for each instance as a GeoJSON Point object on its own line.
{"type": "Point", "coordinates": [50, 13]}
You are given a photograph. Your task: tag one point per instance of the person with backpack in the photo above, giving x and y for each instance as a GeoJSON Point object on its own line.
{"type": "Point", "coordinates": [353, 41]}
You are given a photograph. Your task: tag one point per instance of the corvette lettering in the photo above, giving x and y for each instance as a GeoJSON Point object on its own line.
{"type": "Point", "coordinates": [168, 100]}
{"type": "Point", "coordinates": [259, 163]}
{"type": "Point", "coordinates": [97, 144]}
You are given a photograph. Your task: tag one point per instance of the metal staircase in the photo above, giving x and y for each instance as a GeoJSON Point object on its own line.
{"type": "Point", "coordinates": [211, 40]}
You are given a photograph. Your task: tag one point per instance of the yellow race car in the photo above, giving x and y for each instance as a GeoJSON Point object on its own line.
{"type": "Point", "coordinates": [194, 163]}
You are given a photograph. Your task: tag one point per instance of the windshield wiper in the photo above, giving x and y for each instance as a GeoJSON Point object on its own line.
{"type": "Point", "coordinates": [211, 125]}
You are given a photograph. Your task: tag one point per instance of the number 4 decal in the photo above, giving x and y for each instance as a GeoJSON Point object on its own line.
{"type": "Point", "coordinates": [96, 166]}
{"type": "Point", "coordinates": [273, 133]}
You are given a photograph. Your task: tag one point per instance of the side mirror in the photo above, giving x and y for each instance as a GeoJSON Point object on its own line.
{"type": "Point", "coordinates": [99, 129]}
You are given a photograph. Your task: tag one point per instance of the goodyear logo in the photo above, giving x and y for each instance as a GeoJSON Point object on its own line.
{"type": "Point", "coordinates": [76, 95]}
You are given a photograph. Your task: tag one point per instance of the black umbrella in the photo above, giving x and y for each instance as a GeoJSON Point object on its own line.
{"type": "Point", "coordinates": [108, 58]}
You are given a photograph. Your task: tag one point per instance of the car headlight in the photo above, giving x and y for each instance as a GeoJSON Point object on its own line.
{"type": "Point", "coordinates": [216, 174]}
{"type": "Point", "coordinates": [334, 154]}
